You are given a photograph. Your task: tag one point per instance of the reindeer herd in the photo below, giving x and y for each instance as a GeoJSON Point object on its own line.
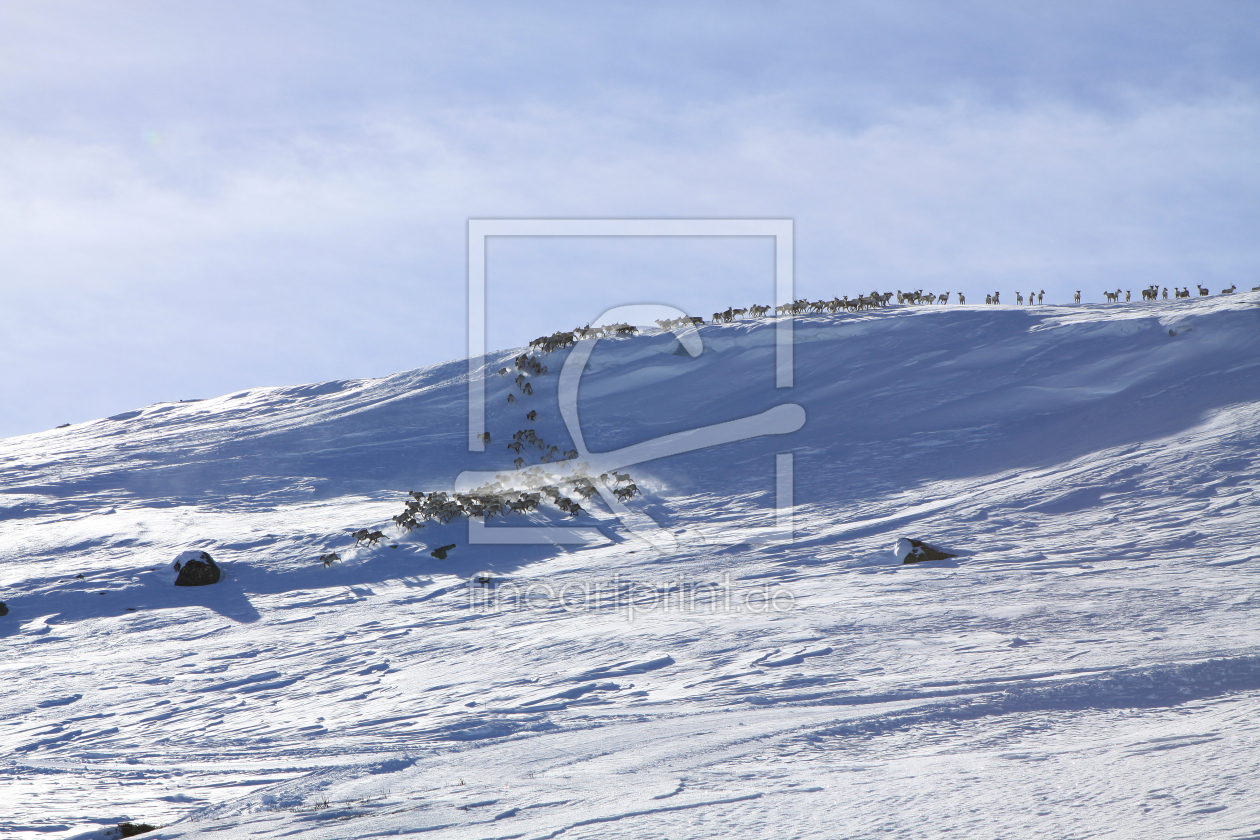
{"type": "Point", "coordinates": [518, 493]}
{"type": "Point", "coordinates": [1152, 293]}
{"type": "Point", "coordinates": [874, 300]}
{"type": "Point", "coordinates": [527, 488]}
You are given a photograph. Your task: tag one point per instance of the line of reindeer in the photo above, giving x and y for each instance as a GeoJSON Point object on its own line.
{"type": "Point", "coordinates": [1153, 293]}
{"type": "Point", "coordinates": [875, 300]}
{"type": "Point", "coordinates": [527, 489]}
{"type": "Point", "coordinates": [520, 493]}
{"type": "Point", "coordinates": [498, 499]}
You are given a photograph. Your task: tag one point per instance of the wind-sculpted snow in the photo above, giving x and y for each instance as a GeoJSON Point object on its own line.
{"type": "Point", "coordinates": [1087, 665]}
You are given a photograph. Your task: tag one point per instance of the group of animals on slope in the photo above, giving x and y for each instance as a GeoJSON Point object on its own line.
{"type": "Point", "coordinates": [520, 493]}
{"type": "Point", "coordinates": [499, 499]}
{"type": "Point", "coordinates": [1153, 293]}
{"type": "Point", "coordinates": [874, 300]}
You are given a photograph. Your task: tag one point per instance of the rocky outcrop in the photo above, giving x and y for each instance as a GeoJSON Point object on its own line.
{"type": "Point", "coordinates": [195, 569]}
{"type": "Point", "coordinates": [3, 609]}
{"type": "Point", "coordinates": [917, 551]}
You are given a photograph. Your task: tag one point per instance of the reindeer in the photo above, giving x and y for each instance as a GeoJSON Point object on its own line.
{"type": "Point", "coordinates": [1112, 297]}
{"type": "Point", "coordinates": [533, 415]}
{"type": "Point", "coordinates": [1041, 296]}
{"type": "Point", "coordinates": [370, 537]}
{"type": "Point", "coordinates": [511, 398]}
{"type": "Point", "coordinates": [1128, 296]}
{"type": "Point", "coordinates": [944, 299]}
{"type": "Point", "coordinates": [988, 299]}
{"type": "Point", "coordinates": [406, 520]}
{"type": "Point", "coordinates": [531, 364]}
{"type": "Point", "coordinates": [555, 342]}
{"type": "Point", "coordinates": [1230, 290]}
{"type": "Point", "coordinates": [1019, 299]}
{"type": "Point", "coordinates": [627, 492]}
{"type": "Point", "coordinates": [1165, 293]}
{"type": "Point", "coordinates": [1202, 291]}
{"type": "Point", "coordinates": [962, 301]}
{"type": "Point", "coordinates": [329, 559]}
{"type": "Point", "coordinates": [1077, 297]}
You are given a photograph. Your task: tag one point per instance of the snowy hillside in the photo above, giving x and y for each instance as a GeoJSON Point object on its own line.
{"type": "Point", "coordinates": [1087, 666]}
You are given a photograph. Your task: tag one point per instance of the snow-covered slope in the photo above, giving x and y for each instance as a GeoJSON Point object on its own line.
{"type": "Point", "coordinates": [1089, 665]}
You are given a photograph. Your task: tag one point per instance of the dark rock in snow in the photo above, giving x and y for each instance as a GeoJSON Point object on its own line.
{"type": "Point", "coordinates": [440, 553]}
{"type": "Point", "coordinates": [916, 551]}
{"type": "Point", "coordinates": [195, 569]}
{"type": "Point", "coordinates": [3, 609]}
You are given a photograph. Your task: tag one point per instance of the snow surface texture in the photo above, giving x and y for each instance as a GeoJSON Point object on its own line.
{"type": "Point", "coordinates": [1088, 666]}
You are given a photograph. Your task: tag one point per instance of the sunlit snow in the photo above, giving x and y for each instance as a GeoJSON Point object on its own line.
{"type": "Point", "coordinates": [1088, 665]}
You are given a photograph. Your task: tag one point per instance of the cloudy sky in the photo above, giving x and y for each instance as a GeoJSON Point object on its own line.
{"type": "Point", "coordinates": [201, 197]}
